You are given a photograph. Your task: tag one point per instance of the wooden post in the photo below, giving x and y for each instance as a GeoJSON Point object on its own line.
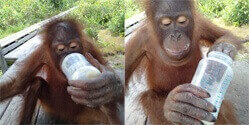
{"type": "Point", "coordinates": [3, 63]}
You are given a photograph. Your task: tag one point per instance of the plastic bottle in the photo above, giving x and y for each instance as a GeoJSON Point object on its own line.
{"type": "Point", "coordinates": [214, 74]}
{"type": "Point", "coordinates": [76, 67]}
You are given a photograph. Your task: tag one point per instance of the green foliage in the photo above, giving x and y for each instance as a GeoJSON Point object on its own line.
{"type": "Point", "coordinates": [237, 13]}
{"type": "Point", "coordinates": [116, 24]}
{"type": "Point", "coordinates": [234, 12]}
{"type": "Point", "coordinates": [18, 14]}
{"type": "Point", "coordinates": [101, 14]}
{"type": "Point", "coordinates": [61, 4]}
{"type": "Point", "coordinates": [109, 44]}
{"type": "Point", "coordinates": [132, 7]}
{"type": "Point", "coordinates": [212, 8]}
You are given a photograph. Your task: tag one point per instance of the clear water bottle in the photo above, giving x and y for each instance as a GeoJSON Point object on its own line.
{"type": "Point", "coordinates": [214, 74]}
{"type": "Point", "coordinates": [76, 67]}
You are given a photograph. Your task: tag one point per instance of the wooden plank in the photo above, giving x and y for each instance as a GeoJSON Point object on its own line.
{"type": "Point", "coordinates": [134, 19]}
{"type": "Point", "coordinates": [132, 24]}
{"type": "Point", "coordinates": [127, 38]}
{"type": "Point", "coordinates": [133, 27]}
{"type": "Point", "coordinates": [4, 68]}
{"type": "Point", "coordinates": [12, 114]}
{"type": "Point", "coordinates": [3, 64]}
{"type": "Point", "coordinates": [19, 42]}
{"type": "Point", "coordinates": [36, 112]}
{"type": "Point", "coordinates": [134, 113]}
{"type": "Point", "coordinates": [9, 39]}
{"type": "Point", "coordinates": [3, 107]}
{"type": "Point", "coordinates": [25, 49]}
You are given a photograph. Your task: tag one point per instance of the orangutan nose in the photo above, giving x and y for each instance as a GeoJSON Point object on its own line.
{"type": "Point", "coordinates": [176, 36]}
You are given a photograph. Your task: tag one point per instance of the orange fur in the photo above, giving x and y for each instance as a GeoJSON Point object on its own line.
{"type": "Point", "coordinates": [47, 82]}
{"type": "Point", "coordinates": [163, 75]}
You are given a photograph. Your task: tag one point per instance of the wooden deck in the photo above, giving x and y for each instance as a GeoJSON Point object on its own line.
{"type": "Point", "coordinates": [133, 23]}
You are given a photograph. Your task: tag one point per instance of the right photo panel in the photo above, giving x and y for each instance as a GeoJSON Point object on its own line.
{"type": "Point", "coordinates": [186, 62]}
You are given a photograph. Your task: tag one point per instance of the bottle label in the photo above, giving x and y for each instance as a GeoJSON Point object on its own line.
{"type": "Point", "coordinates": [76, 67]}
{"type": "Point", "coordinates": [83, 73]}
{"type": "Point", "coordinates": [214, 72]}
{"type": "Point", "coordinates": [71, 61]}
{"type": "Point", "coordinates": [215, 79]}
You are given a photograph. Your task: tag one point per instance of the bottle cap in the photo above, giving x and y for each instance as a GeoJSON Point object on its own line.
{"type": "Point", "coordinates": [221, 56]}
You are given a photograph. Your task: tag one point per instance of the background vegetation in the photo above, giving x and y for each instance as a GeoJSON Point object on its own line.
{"type": "Point", "coordinates": [132, 7]}
{"type": "Point", "coordinates": [235, 12]}
{"type": "Point", "coordinates": [103, 20]}
{"type": "Point", "coordinates": [18, 14]}
{"type": "Point", "coordinates": [101, 14]}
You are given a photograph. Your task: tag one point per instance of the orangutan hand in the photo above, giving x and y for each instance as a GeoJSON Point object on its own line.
{"type": "Point", "coordinates": [185, 104]}
{"type": "Point", "coordinates": [97, 91]}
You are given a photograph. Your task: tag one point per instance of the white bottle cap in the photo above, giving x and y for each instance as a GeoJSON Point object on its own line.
{"type": "Point", "coordinates": [221, 56]}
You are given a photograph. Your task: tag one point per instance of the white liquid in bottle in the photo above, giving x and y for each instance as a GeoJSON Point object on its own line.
{"type": "Point", "coordinates": [214, 75]}
{"type": "Point", "coordinates": [76, 67]}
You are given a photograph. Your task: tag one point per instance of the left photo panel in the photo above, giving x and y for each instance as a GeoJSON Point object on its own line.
{"type": "Point", "coordinates": [62, 62]}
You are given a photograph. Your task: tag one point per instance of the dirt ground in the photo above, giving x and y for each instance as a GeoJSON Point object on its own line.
{"type": "Point", "coordinates": [238, 91]}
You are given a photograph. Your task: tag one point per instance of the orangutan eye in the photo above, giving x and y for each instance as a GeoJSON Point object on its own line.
{"type": "Point", "coordinates": [166, 22]}
{"type": "Point", "coordinates": [60, 47]}
{"type": "Point", "coordinates": [182, 20]}
{"type": "Point", "coordinates": [73, 45]}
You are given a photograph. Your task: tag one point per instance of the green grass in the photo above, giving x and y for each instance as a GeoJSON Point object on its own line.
{"type": "Point", "coordinates": [15, 15]}
{"type": "Point", "coordinates": [132, 7]}
{"type": "Point", "coordinates": [98, 15]}
{"type": "Point", "coordinates": [12, 29]}
{"type": "Point", "coordinates": [112, 48]}
{"type": "Point", "coordinates": [110, 45]}
{"type": "Point", "coordinates": [104, 22]}
{"type": "Point", "coordinates": [235, 12]}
